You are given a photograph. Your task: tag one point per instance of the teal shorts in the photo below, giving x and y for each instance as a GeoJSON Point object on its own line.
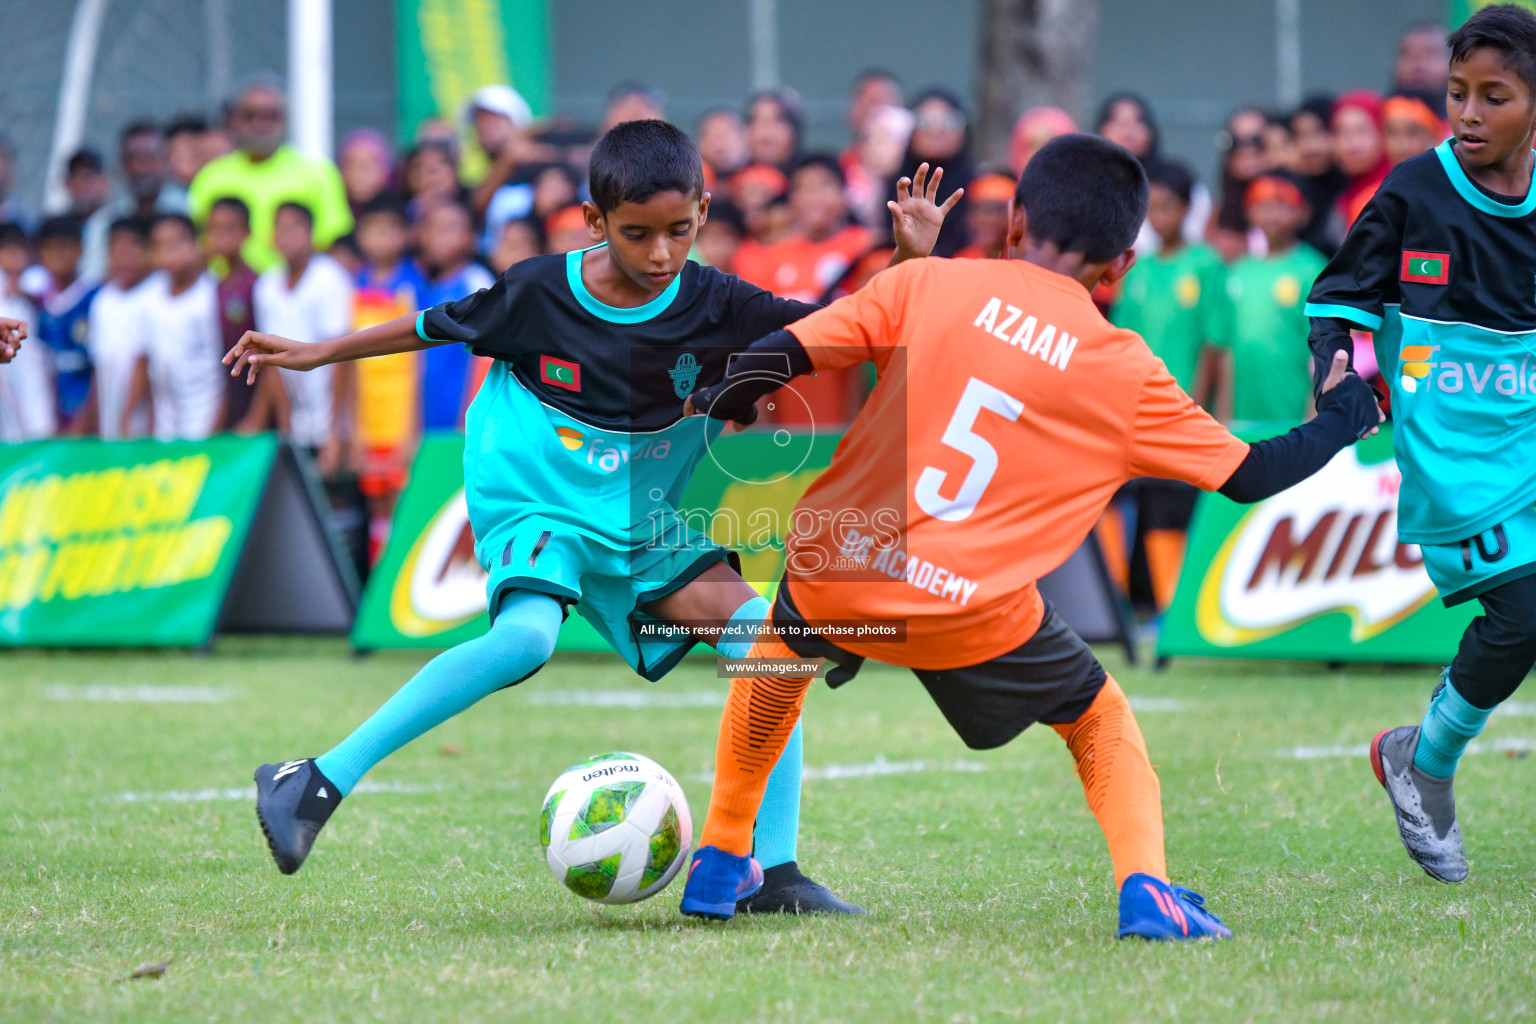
{"type": "Point", "coordinates": [1475, 566]}
{"type": "Point", "coordinates": [606, 584]}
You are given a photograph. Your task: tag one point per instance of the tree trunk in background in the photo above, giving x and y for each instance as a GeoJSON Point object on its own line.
{"type": "Point", "coordinates": [1033, 53]}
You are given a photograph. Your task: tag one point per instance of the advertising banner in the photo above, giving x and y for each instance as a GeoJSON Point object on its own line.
{"type": "Point", "coordinates": [449, 48]}
{"type": "Point", "coordinates": [137, 543]}
{"type": "Point", "coordinates": [1316, 572]}
{"type": "Point", "coordinates": [428, 591]}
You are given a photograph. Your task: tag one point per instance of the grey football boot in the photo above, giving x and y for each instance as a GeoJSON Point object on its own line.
{"type": "Point", "coordinates": [1425, 806]}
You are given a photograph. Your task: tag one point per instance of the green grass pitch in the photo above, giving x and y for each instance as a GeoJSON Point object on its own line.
{"type": "Point", "coordinates": [127, 839]}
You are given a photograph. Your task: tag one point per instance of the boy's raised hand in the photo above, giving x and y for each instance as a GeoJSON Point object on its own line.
{"type": "Point", "coordinates": [254, 351]}
{"type": "Point", "coordinates": [916, 215]}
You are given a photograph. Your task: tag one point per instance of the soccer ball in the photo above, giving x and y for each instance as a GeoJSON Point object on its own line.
{"type": "Point", "coordinates": [615, 828]}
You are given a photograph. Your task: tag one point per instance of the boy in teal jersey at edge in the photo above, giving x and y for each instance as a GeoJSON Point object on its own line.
{"type": "Point", "coordinates": [576, 454]}
{"type": "Point", "coordinates": [1441, 265]}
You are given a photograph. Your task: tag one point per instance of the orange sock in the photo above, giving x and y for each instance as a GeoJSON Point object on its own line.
{"type": "Point", "coordinates": [1121, 786]}
{"type": "Point", "coordinates": [1165, 557]}
{"type": "Point", "coordinates": [759, 716]}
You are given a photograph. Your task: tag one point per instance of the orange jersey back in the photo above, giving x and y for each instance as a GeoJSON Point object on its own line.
{"type": "Point", "coordinates": [1007, 413]}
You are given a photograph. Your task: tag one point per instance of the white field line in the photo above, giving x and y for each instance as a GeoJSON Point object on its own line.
{"type": "Point", "coordinates": [244, 793]}
{"type": "Point", "coordinates": [235, 794]}
{"type": "Point", "coordinates": [627, 698]}
{"type": "Point", "coordinates": [101, 693]}
{"type": "Point", "coordinates": [656, 698]}
{"type": "Point", "coordinates": [1517, 709]}
{"type": "Point", "coordinates": [1519, 744]}
{"type": "Point", "coordinates": [873, 769]}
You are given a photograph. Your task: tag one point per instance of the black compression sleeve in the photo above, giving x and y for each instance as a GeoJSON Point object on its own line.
{"type": "Point", "coordinates": [1328, 335]}
{"type": "Point", "coordinates": [1344, 414]}
{"type": "Point", "coordinates": [762, 368]}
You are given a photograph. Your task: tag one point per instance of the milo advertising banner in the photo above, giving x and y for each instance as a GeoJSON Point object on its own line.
{"type": "Point", "coordinates": [149, 544]}
{"type": "Point", "coordinates": [1316, 572]}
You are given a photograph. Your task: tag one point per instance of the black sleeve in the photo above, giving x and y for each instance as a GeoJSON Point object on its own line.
{"type": "Point", "coordinates": [765, 366]}
{"type": "Point", "coordinates": [1344, 415]}
{"type": "Point", "coordinates": [755, 312]}
{"type": "Point", "coordinates": [1360, 280]}
{"type": "Point", "coordinates": [483, 320]}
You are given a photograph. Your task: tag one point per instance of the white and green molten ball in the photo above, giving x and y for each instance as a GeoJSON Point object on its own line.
{"type": "Point", "coordinates": [615, 828]}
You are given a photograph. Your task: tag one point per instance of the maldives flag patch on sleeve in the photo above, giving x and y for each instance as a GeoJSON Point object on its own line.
{"type": "Point", "coordinates": [1426, 267]}
{"type": "Point", "coordinates": [560, 373]}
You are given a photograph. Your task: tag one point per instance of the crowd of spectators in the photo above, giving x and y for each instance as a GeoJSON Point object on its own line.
{"type": "Point", "coordinates": [200, 230]}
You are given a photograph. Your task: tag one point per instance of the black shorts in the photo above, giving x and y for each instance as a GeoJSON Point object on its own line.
{"type": "Point", "coordinates": [1052, 677]}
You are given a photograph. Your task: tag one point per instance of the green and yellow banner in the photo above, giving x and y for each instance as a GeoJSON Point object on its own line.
{"type": "Point", "coordinates": [1461, 10]}
{"type": "Point", "coordinates": [446, 49]}
{"type": "Point", "coordinates": [1316, 573]}
{"type": "Point", "coordinates": [111, 544]}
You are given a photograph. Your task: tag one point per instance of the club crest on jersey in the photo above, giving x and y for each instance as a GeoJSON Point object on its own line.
{"type": "Point", "coordinates": [1426, 267]}
{"type": "Point", "coordinates": [684, 375]}
{"type": "Point", "coordinates": [560, 373]}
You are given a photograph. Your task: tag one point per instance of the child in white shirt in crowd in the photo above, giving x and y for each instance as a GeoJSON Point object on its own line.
{"type": "Point", "coordinates": [180, 314]}
{"type": "Point", "coordinates": [27, 398]}
{"type": "Point", "coordinates": [116, 337]}
{"type": "Point", "coordinates": [307, 297]}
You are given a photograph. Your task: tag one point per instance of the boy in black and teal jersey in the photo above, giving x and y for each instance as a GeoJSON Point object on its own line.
{"type": "Point", "coordinates": [576, 455]}
{"type": "Point", "coordinates": [1441, 265]}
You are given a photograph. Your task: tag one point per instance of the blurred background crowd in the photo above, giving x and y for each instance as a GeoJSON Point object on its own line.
{"type": "Point", "coordinates": [172, 238]}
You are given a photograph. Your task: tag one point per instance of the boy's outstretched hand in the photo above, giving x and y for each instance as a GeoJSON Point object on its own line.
{"type": "Point", "coordinates": [12, 333]}
{"type": "Point", "coordinates": [254, 351]}
{"type": "Point", "coordinates": [916, 215]}
{"type": "Point", "coordinates": [1349, 391]}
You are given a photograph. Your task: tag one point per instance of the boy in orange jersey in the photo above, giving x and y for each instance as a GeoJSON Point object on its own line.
{"type": "Point", "coordinates": [1024, 413]}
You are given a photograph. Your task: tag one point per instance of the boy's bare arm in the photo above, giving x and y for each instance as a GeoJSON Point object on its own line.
{"type": "Point", "coordinates": [255, 350]}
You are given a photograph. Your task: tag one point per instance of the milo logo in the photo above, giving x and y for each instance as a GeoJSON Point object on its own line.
{"type": "Point", "coordinates": [1329, 544]}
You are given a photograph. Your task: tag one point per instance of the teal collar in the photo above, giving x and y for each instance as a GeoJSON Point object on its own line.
{"type": "Point", "coordinates": [615, 314]}
{"type": "Point", "coordinates": [1479, 199]}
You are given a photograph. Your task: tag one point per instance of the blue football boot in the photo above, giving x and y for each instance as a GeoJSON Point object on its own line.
{"type": "Point", "coordinates": [717, 881]}
{"type": "Point", "coordinates": [1152, 909]}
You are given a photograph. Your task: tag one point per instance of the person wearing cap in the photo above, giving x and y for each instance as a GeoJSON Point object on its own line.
{"type": "Point", "coordinates": [500, 118]}
{"type": "Point", "coordinates": [265, 171]}
{"type": "Point", "coordinates": [1263, 325]}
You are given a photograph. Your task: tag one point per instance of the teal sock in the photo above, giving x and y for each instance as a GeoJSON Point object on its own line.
{"type": "Point", "coordinates": [1449, 725]}
{"type": "Point", "coordinates": [778, 819]}
{"type": "Point", "coordinates": [742, 629]}
{"type": "Point", "coordinates": [520, 640]}
{"type": "Point", "coordinates": [777, 830]}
